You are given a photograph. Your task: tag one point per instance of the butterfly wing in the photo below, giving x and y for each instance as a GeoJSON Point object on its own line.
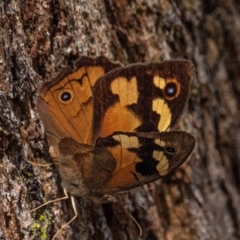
{"type": "Point", "coordinates": [141, 97]}
{"type": "Point", "coordinates": [65, 103]}
{"type": "Point", "coordinates": [144, 157]}
{"type": "Point", "coordinates": [120, 161]}
{"type": "Point", "coordinates": [84, 169]}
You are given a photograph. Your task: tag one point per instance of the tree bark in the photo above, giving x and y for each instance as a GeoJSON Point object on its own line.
{"type": "Point", "coordinates": [201, 199]}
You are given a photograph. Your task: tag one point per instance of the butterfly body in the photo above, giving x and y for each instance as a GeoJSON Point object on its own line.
{"type": "Point", "coordinates": [108, 123]}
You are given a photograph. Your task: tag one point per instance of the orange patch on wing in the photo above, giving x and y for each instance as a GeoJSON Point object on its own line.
{"type": "Point", "coordinates": [94, 73]}
{"type": "Point", "coordinates": [122, 178]}
{"type": "Point", "coordinates": [126, 160]}
{"type": "Point", "coordinates": [123, 156]}
{"type": "Point", "coordinates": [118, 118]}
{"type": "Point", "coordinates": [75, 117]}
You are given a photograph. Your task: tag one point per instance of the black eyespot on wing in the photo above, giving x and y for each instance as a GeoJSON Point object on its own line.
{"type": "Point", "coordinates": [65, 96]}
{"type": "Point", "coordinates": [170, 90]}
{"type": "Point", "coordinates": [170, 150]}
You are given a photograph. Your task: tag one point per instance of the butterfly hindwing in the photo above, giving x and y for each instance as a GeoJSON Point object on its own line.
{"type": "Point", "coordinates": [144, 157]}
{"type": "Point", "coordinates": [120, 161]}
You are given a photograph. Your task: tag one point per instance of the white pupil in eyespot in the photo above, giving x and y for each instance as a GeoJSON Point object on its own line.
{"type": "Point", "coordinates": [170, 149]}
{"type": "Point", "coordinates": [66, 96]}
{"type": "Point", "coordinates": [171, 90]}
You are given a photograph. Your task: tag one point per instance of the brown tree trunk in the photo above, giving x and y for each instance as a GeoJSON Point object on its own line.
{"type": "Point", "coordinates": [198, 201]}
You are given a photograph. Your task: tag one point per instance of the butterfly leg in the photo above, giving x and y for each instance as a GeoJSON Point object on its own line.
{"type": "Point", "coordinates": [51, 201]}
{"type": "Point", "coordinates": [75, 214]}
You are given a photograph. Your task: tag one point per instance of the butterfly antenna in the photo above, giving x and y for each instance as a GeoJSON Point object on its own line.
{"type": "Point", "coordinates": [75, 216]}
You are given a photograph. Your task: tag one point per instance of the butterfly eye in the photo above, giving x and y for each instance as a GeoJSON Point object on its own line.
{"type": "Point", "coordinates": [66, 96]}
{"type": "Point", "coordinates": [170, 150]}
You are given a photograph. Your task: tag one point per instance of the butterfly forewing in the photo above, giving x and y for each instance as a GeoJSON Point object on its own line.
{"type": "Point", "coordinates": [141, 97]}
{"type": "Point", "coordinates": [65, 103]}
{"type": "Point", "coordinates": [144, 157]}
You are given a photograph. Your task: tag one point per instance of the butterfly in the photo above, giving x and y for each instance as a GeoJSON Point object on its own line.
{"type": "Point", "coordinates": [108, 125]}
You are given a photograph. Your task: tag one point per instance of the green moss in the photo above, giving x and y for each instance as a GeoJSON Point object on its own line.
{"type": "Point", "coordinates": [40, 226]}
{"type": "Point", "coordinates": [29, 174]}
{"type": "Point", "coordinates": [196, 90]}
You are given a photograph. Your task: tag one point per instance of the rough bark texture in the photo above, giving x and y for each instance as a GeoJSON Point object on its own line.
{"type": "Point", "coordinates": [201, 199]}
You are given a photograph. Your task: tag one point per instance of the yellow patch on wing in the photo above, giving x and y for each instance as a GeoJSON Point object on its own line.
{"type": "Point", "coordinates": [163, 164]}
{"type": "Point", "coordinates": [159, 81]}
{"type": "Point", "coordinates": [160, 142]}
{"type": "Point", "coordinates": [119, 117]}
{"type": "Point", "coordinates": [127, 141]}
{"type": "Point", "coordinates": [126, 90]}
{"type": "Point", "coordinates": [123, 156]}
{"type": "Point", "coordinates": [158, 154]}
{"type": "Point", "coordinates": [161, 107]}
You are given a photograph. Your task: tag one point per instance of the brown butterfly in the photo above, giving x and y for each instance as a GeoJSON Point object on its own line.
{"type": "Point", "coordinates": [107, 125]}
{"type": "Point", "coordinates": [100, 98]}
